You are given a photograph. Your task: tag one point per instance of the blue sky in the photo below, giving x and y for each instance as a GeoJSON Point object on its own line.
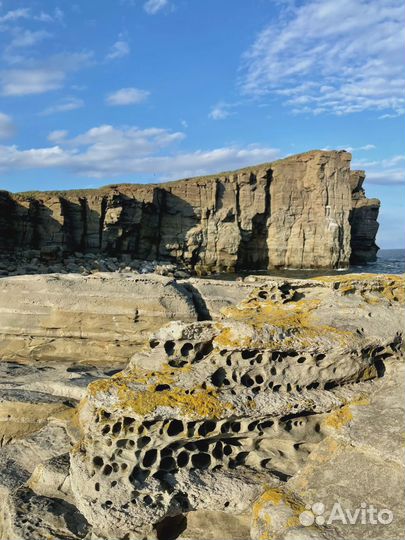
{"type": "Point", "coordinates": [106, 91]}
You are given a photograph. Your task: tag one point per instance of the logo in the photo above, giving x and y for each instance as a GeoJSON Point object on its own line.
{"type": "Point", "coordinates": [365, 515]}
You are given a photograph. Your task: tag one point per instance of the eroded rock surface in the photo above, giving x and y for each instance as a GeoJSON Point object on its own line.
{"type": "Point", "coordinates": [305, 211]}
{"type": "Point", "coordinates": [257, 412]}
{"type": "Point", "coordinates": [102, 317]}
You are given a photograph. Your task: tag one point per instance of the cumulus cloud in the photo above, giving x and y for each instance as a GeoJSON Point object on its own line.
{"type": "Point", "coordinates": [106, 151]}
{"type": "Point", "coordinates": [127, 96]}
{"type": "Point", "coordinates": [7, 128]}
{"type": "Point", "coordinates": [120, 49]}
{"type": "Point", "coordinates": [153, 6]}
{"type": "Point", "coordinates": [324, 56]}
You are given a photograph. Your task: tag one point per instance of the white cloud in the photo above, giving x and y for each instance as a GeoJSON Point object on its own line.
{"type": "Point", "coordinates": [388, 171]}
{"type": "Point", "coordinates": [7, 128]}
{"type": "Point", "coordinates": [333, 57]}
{"type": "Point", "coordinates": [37, 77]}
{"type": "Point", "coordinates": [56, 16]}
{"type": "Point", "coordinates": [127, 96]}
{"type": "Point", "coordinates": [348, 148]}
{"type": "Point", "coordinates": [15, 14]}
{"type": "Point", "coordinates": [57, 135]}
{"type": "Point", "coordinates": [20, 82]}
{"type": "Point", "coordinates": [120, 49]}
{"type": "Point", "coordinates": [106, 151]}
{"type": "Point", "coordinates": [153, 6]}
{"type": "Point", "coordinates": [220, 111]}
{"type": "Point", "coordinates": [27, 38]}
{"type": "Point", "coordinates": [68, 104]}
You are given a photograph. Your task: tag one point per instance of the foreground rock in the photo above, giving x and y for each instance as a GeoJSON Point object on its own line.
{"type": "Point", "coordinates": [266, 411]}
{"type": "Point", "coordinates": [305, 211]}
{"type": "Point", "coordinates": [252, 424]}
{"type": "Point", "coordinates": [102, 317]}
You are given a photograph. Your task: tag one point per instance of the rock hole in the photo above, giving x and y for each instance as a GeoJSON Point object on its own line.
{"type": "Point", "coordinates": [186, 349]}
{"type": "Point", "coordinates": [171, 527]}
{"type": "Point", "coordinates": [107, 470]}
{"type": "Point", "coordinates": [167, 464]}
{"type": "Point", "coordinates": [246, 380]}
{"type": "Point", "coordinates": [183, 459]}
{"type": "Point", "coordinates": [218, 377]}
{"type": "Point", "coordinates": [227, 450]}
{"type": "Point", "coordinates": [201, 461]}
{"type": "Point", "coordinates": [98, 461]}
{"type": "Point", "coordinates": [175, 427]}
{"type": "Point", "coordinates": [169, 347]}
{"type": "Point", "coordinates": [202, 445]}
{"type": "Point", "coordinates": [143, 441]}
{"type": "Point", "coordinates": [162, 387]}
{"type": "Point", "coordinates": [247, 354]}
{"type": "Point", "coordinates": [149, 458]}
{"type": "Point", "coordinates": [235, 426]}
{"type": "Point", "coordinates": [206, 427]}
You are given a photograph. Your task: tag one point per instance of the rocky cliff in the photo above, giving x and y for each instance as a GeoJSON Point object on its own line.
{"type": "Point", "coordinates": [304, 211]}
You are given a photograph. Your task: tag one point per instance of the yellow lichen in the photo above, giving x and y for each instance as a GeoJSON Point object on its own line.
{"type": "Point", "coordinates": [371, 287]}
{"type": "Point", "coordinates": [339, 418]}
{"type": "Point", "coordinates": [275, 497]}
{"type": "Point", "coordinates": [196, 403]}
{"type": "Point", "coordinates": [294, 321]}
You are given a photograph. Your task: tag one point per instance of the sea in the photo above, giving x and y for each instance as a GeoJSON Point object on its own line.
{"type": "Point", "coordinates": [389, 261]}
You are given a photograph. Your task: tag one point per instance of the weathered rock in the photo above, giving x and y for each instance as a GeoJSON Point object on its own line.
{"type": "Point", "coordinates": [103, 317]}
{"type": "Point", "coordinates": [220, 412]}
{"type": "Point", "coordinates": [304, 211]}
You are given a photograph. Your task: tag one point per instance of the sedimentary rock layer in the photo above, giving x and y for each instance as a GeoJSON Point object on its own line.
{"type": "Point", "coordinates": [304, 211]}
{"type": "Point", "coordinates": [102, 317]}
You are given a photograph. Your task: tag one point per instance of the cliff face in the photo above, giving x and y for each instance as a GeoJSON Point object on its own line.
{"type": "Point", "coordinates": [304, 211]}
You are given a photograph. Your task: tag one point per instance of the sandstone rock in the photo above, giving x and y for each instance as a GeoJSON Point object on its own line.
{"type": "Point", "coordinates": [25, 516]}
{"type": "Point", "coordinates": [219, 412]}
{"type": "Point", "coordinates": [305, 211]}
{"type": "Point", "coordinates": [104, 317]}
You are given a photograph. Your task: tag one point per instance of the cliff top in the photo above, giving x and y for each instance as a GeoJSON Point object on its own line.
{"type": "Point", "coordinates": [123, 187]}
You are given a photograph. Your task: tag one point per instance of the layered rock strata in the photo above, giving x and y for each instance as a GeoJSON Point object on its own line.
{"type": "Point", "coordinates": [305, 211]}
{"type": "Point", "coordinates": [102, 317]}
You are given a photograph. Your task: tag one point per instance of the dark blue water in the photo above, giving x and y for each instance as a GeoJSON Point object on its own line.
{"type": "Point", "coordinates": [389, 261]}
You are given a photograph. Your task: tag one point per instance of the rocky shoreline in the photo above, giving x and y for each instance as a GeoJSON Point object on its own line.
{"type": "Point", "coordinates": [143, 406]}
{"type": "Point", "coordinates": [48, 262]}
